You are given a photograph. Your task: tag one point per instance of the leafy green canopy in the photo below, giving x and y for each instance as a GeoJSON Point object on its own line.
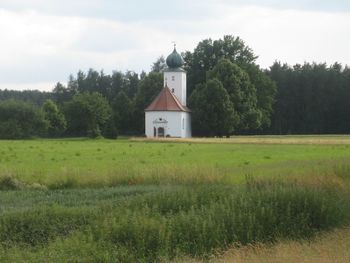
{"type": "Point", "coordinates": [56, 121]}
{"type": "Point", "coordinates": [213, 112]}
{"type": "Point", "coordinates": [87, 114]}
{"type": "Point", "coordinates": [122, 112]}
{"type": "Point", "coordinates": [229, 60]}
{"type": "Point", "coordinates": [241, 91]}
{"type": "Point", "coordinates": [208, 53]}
{"type": "Point", "coordinates": [20, 119]}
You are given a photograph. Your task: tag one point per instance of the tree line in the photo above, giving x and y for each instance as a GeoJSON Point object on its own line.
{"type": "Point", "coordinates": [92, 104]}
{"type": "Point", "coordinates": [311, 99]}
{"type": "Point", "coordinates": [228, 94]}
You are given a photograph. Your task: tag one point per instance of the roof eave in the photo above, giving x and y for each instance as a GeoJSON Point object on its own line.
{"type": "Point", "coordinates": [174, 70]}
{"type": "Point", "coordinates": [169, 110]}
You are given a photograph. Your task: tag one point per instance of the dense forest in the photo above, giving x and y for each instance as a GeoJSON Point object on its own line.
{"type": "Point", "coordinates": [228, 94]}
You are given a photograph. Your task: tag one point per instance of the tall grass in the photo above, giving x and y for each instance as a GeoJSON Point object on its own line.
{"type": "Point", "coordinates": [200, 221]}
{"type": "Point", "coordinates": [40, 226]}
{"type": "Point", "coordinates": [197, 221]}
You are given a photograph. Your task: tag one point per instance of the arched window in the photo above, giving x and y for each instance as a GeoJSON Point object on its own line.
{"type": "Point", "coordinates": [183, 123]}
{"type": "Point", "coordinates": [154, 132]}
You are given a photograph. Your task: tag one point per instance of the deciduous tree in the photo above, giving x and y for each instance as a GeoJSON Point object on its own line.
{"type": "Point", "coordinates": [241, 91]}
{"type": "Point", "coordinates": [87, 114]}
{"type": "Point", "coordinates": [56, 121]}
{"type": "Point", "coordinates": [213, 112]}
{"type": "Point", "coordinates": [20, 119]}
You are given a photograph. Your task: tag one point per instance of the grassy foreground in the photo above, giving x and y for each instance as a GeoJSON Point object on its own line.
{"type": "Point", "coordinates": [150, 224]}
{"type": "Point", "coordinates": [145, 201]}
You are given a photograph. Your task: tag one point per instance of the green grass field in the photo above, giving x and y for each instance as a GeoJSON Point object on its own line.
{"type": "Point", "coordinates": [88, 163]}
{"type": "Point", "coordinates": [79, 200]}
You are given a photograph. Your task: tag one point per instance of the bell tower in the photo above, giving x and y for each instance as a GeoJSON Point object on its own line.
{"type": "Point", "coordinates": [175, 76]}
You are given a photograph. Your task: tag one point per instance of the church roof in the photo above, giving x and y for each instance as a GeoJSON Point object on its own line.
{"type": "Point", "coordinates": [166, 101]}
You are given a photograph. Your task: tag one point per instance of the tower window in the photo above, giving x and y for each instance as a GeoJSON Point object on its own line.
{"type": "Point", "coordinates": [172, 78]}
{"type": "Point", "coordinates": [172, 90]}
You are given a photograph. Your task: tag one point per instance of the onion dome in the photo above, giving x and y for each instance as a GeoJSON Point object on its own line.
{"type": "Point", "coordinates": [174, 60]}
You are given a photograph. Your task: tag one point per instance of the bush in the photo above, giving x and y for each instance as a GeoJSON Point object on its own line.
{"type": "Point", "coordinates": [94, 133]}
{"type": "Point", "coordinates": [87, 114]}
{"type": "Point", "coordinates": [20, 119]}
{"type": "Point", "coordinates": [110, 131]}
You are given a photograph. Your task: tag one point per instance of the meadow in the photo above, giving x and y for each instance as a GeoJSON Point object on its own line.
{"type": "Point", "coordinates": [136, 200]}
{"type": "Point", "coordinates": [75, 163]}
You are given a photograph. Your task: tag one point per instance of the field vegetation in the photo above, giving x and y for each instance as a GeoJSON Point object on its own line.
{"type": "Point", "coordinates": [58, 164]}
{"type": "Point", "coordinates": [158, 201]}
{"type": "Point", "coordinates": [325, 248]}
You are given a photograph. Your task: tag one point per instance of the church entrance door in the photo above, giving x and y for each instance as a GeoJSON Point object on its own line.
{"type": "Point", "coordinates": [161, 132]}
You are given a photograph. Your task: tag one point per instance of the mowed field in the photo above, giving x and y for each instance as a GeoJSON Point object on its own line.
{"type": "Point", "coordinates": [134, 200]}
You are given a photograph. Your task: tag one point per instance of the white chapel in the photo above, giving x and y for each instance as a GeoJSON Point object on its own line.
{"type": "Point", "coordinates": [167, 115]}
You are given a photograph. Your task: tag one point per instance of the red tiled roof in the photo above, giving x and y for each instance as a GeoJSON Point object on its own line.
{"type": "Point", "coordinates": [166, 101]}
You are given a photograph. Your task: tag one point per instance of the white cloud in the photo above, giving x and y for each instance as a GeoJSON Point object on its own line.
{"type": "Point", "coordinates": [42, 86]}
{"type": "Point", "coordinates": [290, 36]}
{"type": "Point", "coordinates": [294, 36]}
{"type": "Point", "coordinates": [37, 48]}
{"type": "Point", "coordinates": [30, 33]}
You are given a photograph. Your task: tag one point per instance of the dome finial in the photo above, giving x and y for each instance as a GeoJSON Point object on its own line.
{"type": "Point", "coordinates": [174, 60]}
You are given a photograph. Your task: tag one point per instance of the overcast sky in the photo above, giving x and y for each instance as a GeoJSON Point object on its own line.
{"type": "Point", "coordinates": [43, 41]}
